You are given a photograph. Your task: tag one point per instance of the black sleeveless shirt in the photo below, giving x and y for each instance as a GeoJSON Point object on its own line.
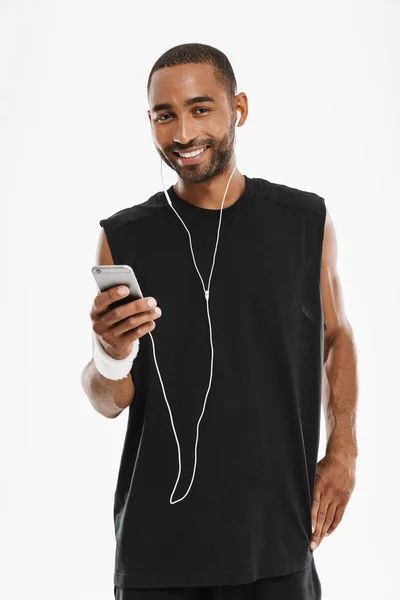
{"type": "Point", "coordinates": [248, 513]}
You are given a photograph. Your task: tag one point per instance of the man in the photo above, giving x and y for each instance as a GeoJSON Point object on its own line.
{"type": "Point", "coordinates": [259, 503]}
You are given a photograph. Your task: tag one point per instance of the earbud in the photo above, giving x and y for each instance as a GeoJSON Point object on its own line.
{"type": "Point", "coordinates": [238, 113]}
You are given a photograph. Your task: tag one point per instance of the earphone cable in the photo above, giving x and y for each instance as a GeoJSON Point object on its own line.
{"type": "Point", "coordinates": [207, 296]}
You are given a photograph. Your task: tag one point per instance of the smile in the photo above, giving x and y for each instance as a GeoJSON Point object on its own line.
{"type": "Point", "coordinates": [192, 154]}
{"type": "Point", "coordinates": [188, 158]}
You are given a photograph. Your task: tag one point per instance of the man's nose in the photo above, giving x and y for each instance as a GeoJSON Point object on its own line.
{"type": "Point", "coordinates": [185, 130]}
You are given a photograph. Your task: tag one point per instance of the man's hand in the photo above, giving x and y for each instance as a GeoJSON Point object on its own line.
{"type": "Point", "coordinates": [334, 483]}
{"type": "Point", "coordinates": [120, 326]}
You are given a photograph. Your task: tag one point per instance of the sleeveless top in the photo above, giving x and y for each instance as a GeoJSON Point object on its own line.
{"type": "Point", "coordinates": [248, 513]}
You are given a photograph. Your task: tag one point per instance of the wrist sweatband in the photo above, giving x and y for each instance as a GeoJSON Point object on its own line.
{"type": "Point", "coordinates": [110, 367]}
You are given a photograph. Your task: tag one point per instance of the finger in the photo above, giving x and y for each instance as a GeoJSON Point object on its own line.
{"type": "Point", "coordinates": [328, 520]}
{"type": "Point", "coordinates": [337, 518]}
{"type": "Point", "coordinates": [113, 315]}
{"type": "Point", "coordinates": [322, 512]}
{"type": "Point", "coordinates": [103, 300]}
{"type": "Point", "coordinates": [315, 507]}
{"type": "Point", "coordinates": [134, 321]}
{"type": "Point", "coordinates": [134, 334]}
{"type": "Point", "coordinates": [135, 307]}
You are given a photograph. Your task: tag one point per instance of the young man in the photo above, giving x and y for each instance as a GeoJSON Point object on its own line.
{"type": "Point", "coordinates": [250, 503]}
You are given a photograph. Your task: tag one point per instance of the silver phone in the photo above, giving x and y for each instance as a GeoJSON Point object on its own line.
{"type": "Point", "coordinates": [108, 276]}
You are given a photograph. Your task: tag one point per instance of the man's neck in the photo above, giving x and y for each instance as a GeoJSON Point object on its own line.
{"type": "Point", "coordinates": [209, 194]}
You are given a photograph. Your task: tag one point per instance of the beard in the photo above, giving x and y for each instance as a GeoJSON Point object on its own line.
{"type": "Point", "coordinates": [215, 163]}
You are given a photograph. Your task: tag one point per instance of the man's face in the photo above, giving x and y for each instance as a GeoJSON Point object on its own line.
{"type": "Point", "coordinates": [182, 128]}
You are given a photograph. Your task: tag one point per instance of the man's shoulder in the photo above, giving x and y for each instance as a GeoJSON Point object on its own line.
{"type": "Point", "coordinates": [291, 196]}
{"type": "Point", "coordinates": [130, 214]}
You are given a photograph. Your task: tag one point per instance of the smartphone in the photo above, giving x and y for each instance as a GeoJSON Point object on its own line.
{"type": "Point", "coordinates": [108, 276]}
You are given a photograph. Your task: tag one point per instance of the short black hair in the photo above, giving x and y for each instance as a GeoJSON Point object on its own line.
{"type": "Point", "coordinates": [199, 53]}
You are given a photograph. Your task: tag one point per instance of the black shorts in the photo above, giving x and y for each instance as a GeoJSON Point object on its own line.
{"type": "Point", "coordinates": [302, 585]}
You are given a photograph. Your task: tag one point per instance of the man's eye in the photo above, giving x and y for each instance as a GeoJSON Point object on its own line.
{"type": "Point", "coordinates": [160, 117]}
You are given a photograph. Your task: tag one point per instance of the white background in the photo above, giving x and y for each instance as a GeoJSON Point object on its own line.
{"type": "Point", "coordinates": [322, 81]}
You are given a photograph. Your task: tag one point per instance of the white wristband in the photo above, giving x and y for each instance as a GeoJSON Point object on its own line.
{"type": "Point", "coordinates": [110, 367]}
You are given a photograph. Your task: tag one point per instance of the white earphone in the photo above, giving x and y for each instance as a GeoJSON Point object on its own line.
{"type": "Point", "coordinates": [238, 117]}
{"type": "Point", "coordinates": [207, 296]}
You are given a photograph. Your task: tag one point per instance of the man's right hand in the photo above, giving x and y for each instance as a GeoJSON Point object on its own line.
{"type": "Point", "coordinates": [117, 328]}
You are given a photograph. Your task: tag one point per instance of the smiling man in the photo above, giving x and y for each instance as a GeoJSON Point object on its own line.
{"type": "Point", "coordinates": [251, 502]}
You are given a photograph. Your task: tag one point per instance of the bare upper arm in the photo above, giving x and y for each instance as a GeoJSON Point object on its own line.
{"type": "Point", "coordinates": [103, 252]}
{"type": "Point", "coordinates": [331, 289]}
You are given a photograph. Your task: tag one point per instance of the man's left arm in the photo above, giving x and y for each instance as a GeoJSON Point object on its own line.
{"type": "Point", "coordinates": [335, 475]}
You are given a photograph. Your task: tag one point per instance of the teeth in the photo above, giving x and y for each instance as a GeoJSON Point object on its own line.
{"type": "Point", "coordinates": [191, 154]}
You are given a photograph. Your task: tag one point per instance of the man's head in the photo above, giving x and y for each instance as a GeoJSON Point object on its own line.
{"type": "Point", "coordinates": [184, 73]}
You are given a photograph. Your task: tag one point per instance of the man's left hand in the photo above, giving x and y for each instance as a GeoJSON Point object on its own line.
{"type": "Point", "coordinates": [334, 483]}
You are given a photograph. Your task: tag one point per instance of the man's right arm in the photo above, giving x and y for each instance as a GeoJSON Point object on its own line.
{"type": "Point", "coordinates": [109, 397]}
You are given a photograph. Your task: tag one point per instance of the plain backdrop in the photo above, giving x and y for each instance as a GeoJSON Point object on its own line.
{"type": "Point", "coordinates": [322, 80]}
